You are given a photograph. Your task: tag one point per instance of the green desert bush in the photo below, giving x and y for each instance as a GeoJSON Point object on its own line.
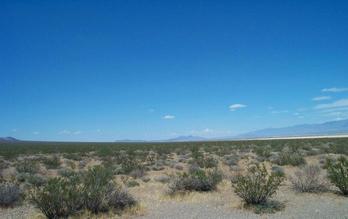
{"type": "Point", "coordinates": [198, 180]}
{"type": "Point", "coordinates": [97, 184]}
{"type": "Point", "coordinates": [257, 186]}
{"type": "Point", "coordinates": [338, 173]}
{"type": "Point", "coordinates": [28, 166]}
{"type": "Point", "coordinates": [128, 163]}
{"type": "Point", "coordinates": [31, 179]}
{"type": "Point", "coordinates": [132, 183]}
{"type": "Point", "coordinates": [58, 198]}
{"type": "Point", "coordinates": [52, 162]}
{"type": "Point", "coordinates": [204, 161]}
{"type": "Point", "coordinates": [278, 170]}
{"type": "Point", "coordinates": [119, 198]}
{"type": "Point", "coordinates": [9, 194]}
{"type": "Point", "coordinates": [290, 157]}
{"type": "Point", "coordinates": [263, 151]}
{"type": "Point", "coordinates": [309, 179]}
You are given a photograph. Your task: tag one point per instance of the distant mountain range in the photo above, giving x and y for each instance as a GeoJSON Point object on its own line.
{"type": "Point", "coordinates": [327, 128]}
{"type": "Point", "coordinates": [322, 129]}
{"type": "Point", "coordinates": [8, 139]}
{"type": "Point", "coordinates": [187, 138]}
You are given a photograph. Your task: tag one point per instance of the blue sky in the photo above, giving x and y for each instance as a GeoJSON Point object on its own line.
{"type": "Point", "coordinates": [107, 70]}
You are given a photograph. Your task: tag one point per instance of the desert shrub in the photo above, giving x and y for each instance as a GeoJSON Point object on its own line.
{"type": "Point", "coordinates": [72, 156]}
{"type": "Point", "coordinates": [59, 197]}
{"type": "Point", "coordinates": [128, 163]}
{"type": "Point", "coordinates": [3, 164]}
{"type": "Point", "coordinates": [71, 164]}
{"type": "Point", "coordinates": [132, 183]}
{"type": "Point", "coordinates": [97, 184]}
{"type": "Point", "coordinates": [162, 178]}
{"type": "Point", "coordinates": [309, 179]}
{"type": "Point", "coordinates": [137, 173]}
{"type": "Point", "coordinates": [179, 167]}
{"type": "Point", "coordinates": [199, 180]}
{"type": "Point", "coordinates": [31, 179]}
{"type": "Point", "coordinates": [204, 161]}
{"type": "Point", "coordinates": [290, 157]}
{"type": "Point", "coordinates": [278, 170]}
{"type": "Point", "coordinates": [257, 186]}
{"type": "Point", "coordinates": [262, 151]}
{"type": "Point", "coordinates": [231, 160]}
{"type": "Point", "coordinates": [338, 173]}
{"type": "Point", "coordinates": [157, 167]}
{"type": "Point", "coordinates": [27, 166]}
{"type": "Point", "coordinates": [9, 194]}
{"type": "Point", "coordinates": [52, 162]}
{"type": "Point", "coordinates": [120, 199]}
{"type": "Point", "coordinates": [66, 173]}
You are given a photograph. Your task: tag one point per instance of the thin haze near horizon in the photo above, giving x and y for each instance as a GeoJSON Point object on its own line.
{"type": "Point", "coordinates": [107, 70]}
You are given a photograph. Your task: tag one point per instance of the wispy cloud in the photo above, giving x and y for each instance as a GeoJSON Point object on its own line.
{"type": "Point", "coordinates": [236, 106]}
{"type": "Point", "coordinates": [320, 98]}
{"type": "Point", "coordinates": [335, 89]}
{"type": "Point", "coordinates": [168, 117]}
{"type": "Point", "coordinates": [68, 132]}
{"type": "Point", "coordinates": [65, 132]}
{"type": "Point", "coordinates": [77, 132]}
{"type": "Point", "coordinates": [279, 111]}
{"type": "Point", "coordinates": [336, 104]}
{"type": "Point", "coordinates": [36, 132]}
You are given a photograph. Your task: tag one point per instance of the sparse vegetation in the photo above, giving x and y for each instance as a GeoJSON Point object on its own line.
{"type": "Point", "coordinates": [88, 173]}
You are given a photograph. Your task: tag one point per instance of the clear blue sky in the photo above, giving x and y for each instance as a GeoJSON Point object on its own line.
{"type": "Point", "coordinates": [107, 70]}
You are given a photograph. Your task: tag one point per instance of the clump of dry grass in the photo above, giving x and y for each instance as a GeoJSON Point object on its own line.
{"type": "Point", "coordinates": [309, 179]}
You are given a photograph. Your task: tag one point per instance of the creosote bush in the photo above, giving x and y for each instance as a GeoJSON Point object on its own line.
{"type": "Point", "coordinates": [9, 194]}
{"type": "Point", "coordinates": [338, 173]}
{"type": "Point", "coordinates": [309, 179]}
{"type": "Point", "coordinates": [59, 197]}
{"type": "Point", "coordinates": [120, 198]}
{"type": "Point", "coordinates": [27, 166]}
{"type": "Point", "coordinates": [257, 186]}
{"type": "Point", "coordinates": [198, 180]}
{"type": "Point", "coordinates": [97, 184]}
{"type": "Point", "coordinates": [95, 191]}
{"type": "Point", "coordinates": [52, 162]}
{"type": "Point", "coordinates": [290, 157]}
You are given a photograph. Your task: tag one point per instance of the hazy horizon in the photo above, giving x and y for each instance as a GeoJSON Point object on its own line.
{"type": "Point", "coordinates": [103, 71]}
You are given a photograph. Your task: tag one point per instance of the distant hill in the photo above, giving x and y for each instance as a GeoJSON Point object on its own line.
{"type": "Point", "coordinates": [327, 128]}
{"type": "Point", "coordinates": [129, 140]}
{"type": "Point", "coordinates": [187, 138]}
{"type": "Point", "coordinates": [8, 139]}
